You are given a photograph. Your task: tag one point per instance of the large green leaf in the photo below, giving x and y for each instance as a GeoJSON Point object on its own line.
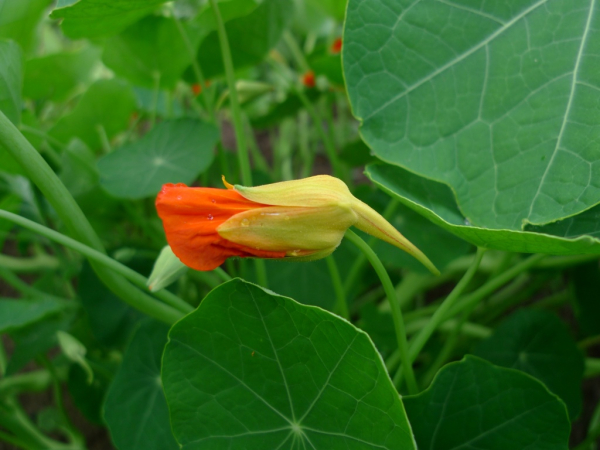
{"type": "Point", "coordinates": [499, 100]}
{"type": "Point", "coordinates": [472, 404]}
{"type": "Point", "coordinates": [104, 108]}
{"type": "Point", "coordinates": [55, 76]}
{"type": "Point", "coordinates": [173, 152]}
{"type": "Point", "coordinates": [15, 314]}
{"type": "Point", "coordinates": [538, 343]}
{"type": "Point", "coordinates": [19, 20]}
{"type": "Point", "coordinates": [436, 202]}
{"type": "Point", "coordinates": [96, 18]}
{"type": "Point", "coordinates": [137, 389]}
{"type": "Point", "coordinates": [250, 369]}
{"type": "Point", "coordinates": [11, 80]}
{"type": "Point", "coordinates": [250, 37]}
{"type": "Point", "coordinates": [149, 53]}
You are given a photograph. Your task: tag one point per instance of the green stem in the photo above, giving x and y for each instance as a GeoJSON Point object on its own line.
{"type": "Point", "coordinates": [222, 274]}
{"type": "Point", "coordinates": [19, 284]}
{"type": "Point", "coordinates": [74, 435]}
{"type": "Point", "coordinates": [559, 262]}
{"type": "Point", "coordinates": [13, 440]}
{"type": "Point", "coordinates": [296, 52]}
{"type": "Point", "coordinates": [341, 306]}
{"type": "Point", "coordinates": [261, 272]}
{"type": "Point", "coordinates": [153, 308]}
{"type": "Point", "coordinates": [196, 68]}
{"type": "Point", "coordinates": [439, 316]}
{"type": "Point", "coordinates": [236, 111]}
{"type": "Point", "coordinates": [495, 283]}
{"type": "Point", "coordinates": [39, 262]}
{"type": "Point", "coordinates": [394, 305]}
{"type": "Point", "coordinates": [590, 439]}
{"type": "Point", "coordinates": [36, 381]}
{"type": "Point", "coordinates": [318, 122]}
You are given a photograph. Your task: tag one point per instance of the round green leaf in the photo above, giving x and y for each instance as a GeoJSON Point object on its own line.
{"type": "Point", "coordinates": [96, 18]}
{"type": "Point", "coordinates": [105, 107]}
{"type": "Point", "coordinates": [174, 151]}
{"type": "Point", "coordinates": [499, 100]}
{"type": "Point", "coordinates": [19, 20]}
{"type": "Point", "coordinates": [250, 369]}
{"type": "Point", "coordinates": [15, 314]}
{"type": "Point", "coordinates": [135, 408]}
{"type": "Point", "coordinates": [435, 201]}
{"type": "Point", "coordinates": [538, 343]}
{"type": "Point", "coordinates": [472, 404]}
{"type": "Point", "coordinates": [149, 53]}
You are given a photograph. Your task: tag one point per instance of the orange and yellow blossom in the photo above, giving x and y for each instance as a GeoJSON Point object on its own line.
{"type": "Point", "coordinates": [294, 220]}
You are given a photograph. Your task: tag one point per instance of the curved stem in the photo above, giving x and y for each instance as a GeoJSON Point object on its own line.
{"type": "Point", "coordinates": [341, 306]}
{"type": "Point", "coordinates": [101, 258]}
{"type": "Point", "coordinates": [40, 173]}
{"type": "Point", "coordinates": [40, 261]}
{"type": "Point", "coordinates": [439, 316]}
{"type": "Point", "coordinates": [394, 305]}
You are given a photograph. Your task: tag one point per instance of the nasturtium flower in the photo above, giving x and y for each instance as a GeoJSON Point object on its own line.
{"type": "Point", "coordinates": [300, 220]}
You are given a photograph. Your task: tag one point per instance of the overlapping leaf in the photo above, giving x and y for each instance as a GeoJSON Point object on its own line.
{"type": "Point", "coordinates": [137, 390]}
{"type": "Point", "coordinates": [538, 343]}
{"type": "Point", "coordinates": [473, 404]}
{"type": "Point", "coordinates": [97, 18]}
{"type": "Point", "coordinates": [250, 369]}
{"type": "Point", "coordinates": [173, 152]}
{"type": "Point", "coordinates": [436, 202]}
{"type": "Point", "coordinates": [499, 100]}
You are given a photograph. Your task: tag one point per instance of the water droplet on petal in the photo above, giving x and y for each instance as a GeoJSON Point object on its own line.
{"type": "Point", "coordinates": [467, 223]}
{"type": "Point", "coordinates": [210, 217]}
{"type": "Point", "coordinates": [287, 217]}
{"type": "Point", "coordinates": [179, 197]}
{"type": "Point", "coordinates": [245, 223]}
{"type": "Point", "coordinates": [213, 200]}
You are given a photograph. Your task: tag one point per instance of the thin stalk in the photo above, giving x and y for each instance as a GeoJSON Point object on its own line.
{"type": "Point", "coordinates": [13, 440]}
{"type": "Point", "coordinates": [38, 262]}
{"type": "Point", "coordinates": [495, 283]}
{"type": "Point", "coordinates": [170, 299]}
{"type": "Point", "coordinates": [589, 342]}
{"type": "Point", "coordinates": [238, 124]}
{"type": "Point", "coordinates": [259, 160]}
{"type": "Point", "coordinates": [43, 135]}
{"type": "Point", "coordinates": [295, 51]}
{"type": "Point", "coordinates": [236, 111]}
{"type": "Point", "coordinates": [559, 262]}
{"type": "Point", "coordinates": [196, 68]}
{"type": "Point", "coordinates": [19, 284]}
{"type": "Point", "coordinates": [36, 381]}
{"type": "Point", "coordinates": [326, 138]}
{"type": "Point", "coordinates": [590, 439]}
{"type": "Point", "coordinates": [73, 434]}
{"type": "Point", "coordinates": [222, 274]}
{"type": "Point", "coordinates": [394, 305]}
{"type": "Point", "coordinates": [439, 316]}
{"type": "Point", "coordinates": [341, 306]}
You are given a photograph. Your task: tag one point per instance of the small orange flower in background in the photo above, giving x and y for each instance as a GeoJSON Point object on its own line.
{"type": "Point", "coordinates": [308, 79]}
{"type": "Point", "coordinates": [336, 47]}
{"type": "Point", "coordinates": [196, 88]}
{"type": "Point", "coordinates": [299, 220]}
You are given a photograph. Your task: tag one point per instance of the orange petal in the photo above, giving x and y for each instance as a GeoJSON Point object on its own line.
{"type": "Point", "coordinates": [190, 217]}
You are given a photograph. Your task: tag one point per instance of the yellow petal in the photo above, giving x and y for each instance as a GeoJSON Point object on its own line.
{"type": "Point", "coordinates": [320, 190]}
{"type": "Point", "coordinates": [370, 221]}
{"type": "Point", "coordinates": [298, 231]}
